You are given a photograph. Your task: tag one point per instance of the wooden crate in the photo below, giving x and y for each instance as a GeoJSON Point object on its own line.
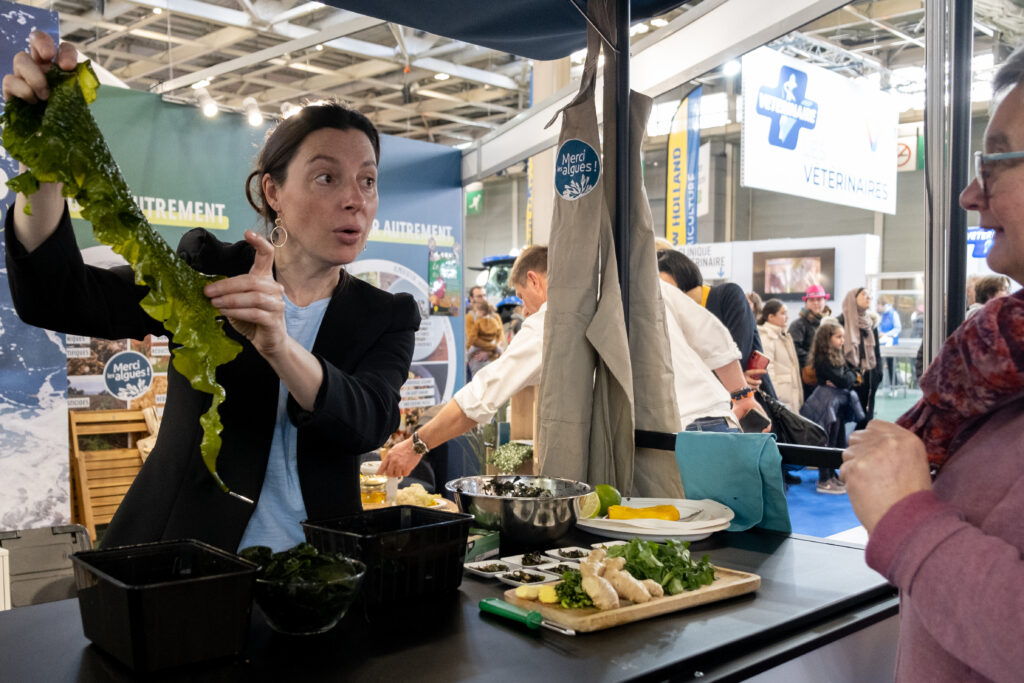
{"type": "Point", "coordinates": [100, 478]}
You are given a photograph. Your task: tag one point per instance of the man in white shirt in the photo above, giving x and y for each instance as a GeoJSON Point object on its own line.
{"type": "Point", "coordinates": [698, 341]}
{"type": "Point", "coordinates": [700, 396]}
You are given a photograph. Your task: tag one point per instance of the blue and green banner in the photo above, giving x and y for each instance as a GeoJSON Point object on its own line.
{"type": "Point", "coordinates": [33, 367]}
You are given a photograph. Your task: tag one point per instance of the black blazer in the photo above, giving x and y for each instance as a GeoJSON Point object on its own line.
{"type": "Point", "coordinates": [364, 345]}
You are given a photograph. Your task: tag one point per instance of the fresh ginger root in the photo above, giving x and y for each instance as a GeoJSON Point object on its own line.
{"type": "Point", "coordinates": [653, 587]}
{"type": "Point", "coordinates": [601, 592]}
{"type": "Point", "coordinates": [624, 583]}
{"type": "Point", "coordinates": [592, 564]}
{"type": "Point", "coordinates": [596, 586]}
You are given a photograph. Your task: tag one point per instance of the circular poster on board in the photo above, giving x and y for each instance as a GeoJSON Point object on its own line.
{"type": "Point", "coordinates": [128, 375]}
{"type": "Point", "coordinates": [435, 356]}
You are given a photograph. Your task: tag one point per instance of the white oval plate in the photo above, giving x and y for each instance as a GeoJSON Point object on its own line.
{"type": "Point", "coordinates": [698, 520]}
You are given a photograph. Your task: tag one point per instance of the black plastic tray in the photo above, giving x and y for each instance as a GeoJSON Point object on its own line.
{"type": "Point", "coordinates": [159, 605]}
{"type": "Point", "coordinates": [409, 551]}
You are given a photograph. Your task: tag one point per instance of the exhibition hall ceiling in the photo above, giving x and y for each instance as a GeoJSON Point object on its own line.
{"type": "Point", "coordinates": [412, 84]}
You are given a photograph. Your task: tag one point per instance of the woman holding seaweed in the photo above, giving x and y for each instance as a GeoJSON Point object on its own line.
{"type": "Point", "coordinates": [323, 354]}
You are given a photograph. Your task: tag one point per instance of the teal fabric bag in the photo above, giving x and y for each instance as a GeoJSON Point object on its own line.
{"type": "Point", "coordinates": [743, 471]}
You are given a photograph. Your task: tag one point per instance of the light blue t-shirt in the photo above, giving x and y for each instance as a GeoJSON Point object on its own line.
{"type": "Point", "coordinates": [275, 522]}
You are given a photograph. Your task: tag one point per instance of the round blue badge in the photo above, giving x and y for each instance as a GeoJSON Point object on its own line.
{"type": "Point", "coordinates": [128, 375]}
{"type": "Point", "coordinates": [577, 169]}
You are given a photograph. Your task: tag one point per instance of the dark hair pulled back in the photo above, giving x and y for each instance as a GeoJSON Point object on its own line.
{"type": "Point", "coordinates": [771, 307]}
{"type": "Point", "coordinates": [284, 140]}
{"type": "Point", "coordinates": [685, 272]}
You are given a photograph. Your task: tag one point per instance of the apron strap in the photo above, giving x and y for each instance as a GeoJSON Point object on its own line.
{"type": "Point", "coordinates": [589, 78]}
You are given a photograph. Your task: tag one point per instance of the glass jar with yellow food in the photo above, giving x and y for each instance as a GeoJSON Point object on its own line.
{"type": "Point", "coordinates": [373, 488]}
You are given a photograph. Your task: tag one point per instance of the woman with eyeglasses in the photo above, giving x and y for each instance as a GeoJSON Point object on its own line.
{"type": "Point", "coordinates": [941, 492]}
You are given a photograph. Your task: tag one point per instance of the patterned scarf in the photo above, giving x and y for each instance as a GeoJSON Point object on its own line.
{"type": "Point", "coordinates": [979, 370]}
{"type": "Point", "coordinates": [858, 328]}
{"type": "Point", "coordinates": [810, 316]}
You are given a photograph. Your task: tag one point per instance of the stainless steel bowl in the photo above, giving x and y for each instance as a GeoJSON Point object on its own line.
{"type": "Point", "coordinates": [521, 520]}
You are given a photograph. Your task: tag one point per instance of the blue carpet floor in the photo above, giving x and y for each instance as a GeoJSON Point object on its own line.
{"type": "Point", "coordinates": [820, 514]}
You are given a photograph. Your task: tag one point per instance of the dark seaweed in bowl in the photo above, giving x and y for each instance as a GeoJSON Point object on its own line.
{"type": "Point", "coordinates": [301, 591]}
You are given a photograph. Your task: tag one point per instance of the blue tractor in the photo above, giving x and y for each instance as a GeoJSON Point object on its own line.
{"type": "Point", "coordinates": [497, 286]}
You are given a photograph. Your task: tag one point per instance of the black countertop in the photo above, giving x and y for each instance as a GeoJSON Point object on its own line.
{"type": "Point", "coordinates": [813, 591]}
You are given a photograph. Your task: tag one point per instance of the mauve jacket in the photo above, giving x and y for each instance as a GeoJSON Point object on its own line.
{"type": "Point", "coordinates": [364, 345]}
{"type": "Point", "coordinates": [955, 553]}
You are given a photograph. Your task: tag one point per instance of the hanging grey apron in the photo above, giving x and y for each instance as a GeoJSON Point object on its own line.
{"type": "Point", "coordinates": [655, 409]}
{"type": "Point", "coordinates": [585, 410]}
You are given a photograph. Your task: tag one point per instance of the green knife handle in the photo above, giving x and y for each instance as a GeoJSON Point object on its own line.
{"type": "Point", "coordinates": [509, 611]}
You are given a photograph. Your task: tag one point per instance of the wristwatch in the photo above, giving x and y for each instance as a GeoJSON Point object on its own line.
{"type": "Point", "coordinates": [741, 394]}
{"type": "Point", "coordinates": [419, 445]}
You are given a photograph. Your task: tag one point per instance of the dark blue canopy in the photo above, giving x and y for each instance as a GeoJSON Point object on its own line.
{"type": "Point", "coordinates": [535, 29]}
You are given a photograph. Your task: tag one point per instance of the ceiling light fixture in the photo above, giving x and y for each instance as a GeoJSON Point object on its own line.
{"type": "Point", "coordinates": [659, 22]}
{"type": "Point", "coordinates": [319, 48]}
{"type": "Point", "coordinates": [731, 68]}
{"type": "Point", "coordinates": [252, 111]}
{"type": "Point", "coordinates": [289, 110]}
{"type": "Point", "coordinates": [205, 83]}
{"type": "Point", "coordinates": [158, 10]}
{"type": "Point", "coordinates": [442, 76]}
{"type": "Point", "coordinates": [206, 103]}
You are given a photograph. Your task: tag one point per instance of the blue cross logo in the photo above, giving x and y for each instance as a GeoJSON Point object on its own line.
{"type": "Point", "coordinates": [981, 240]}
{"type": "Point", "coordinates": [786, 106]}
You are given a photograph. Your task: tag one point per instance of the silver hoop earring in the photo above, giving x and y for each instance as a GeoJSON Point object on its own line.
{"type": "Point", "coordinates": [278, 236]}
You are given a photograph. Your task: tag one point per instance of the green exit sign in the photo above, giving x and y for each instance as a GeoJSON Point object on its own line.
{"type": "Point", "coordinates": [474, 201]}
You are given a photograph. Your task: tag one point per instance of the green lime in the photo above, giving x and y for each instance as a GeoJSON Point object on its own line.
{"type": "Point", "coordinates": [590, 506]}
{"type": "Point", "coordinates": [609, 496]}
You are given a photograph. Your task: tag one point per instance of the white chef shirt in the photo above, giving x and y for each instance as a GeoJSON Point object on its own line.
{"type": "Point", "coordinates": [698, 342]}
{"type": "Point", "coordinates": [518, 367]}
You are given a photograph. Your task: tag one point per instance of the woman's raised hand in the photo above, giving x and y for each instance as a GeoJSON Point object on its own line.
{"type": "Point", "coordinates": [27, 79]}
{"type": "Point", "coordinates": [883, 464]}
{"type": "Point", "coordinates": [252, 302]}
{"type": "Point", "coordinates": [28, 82]}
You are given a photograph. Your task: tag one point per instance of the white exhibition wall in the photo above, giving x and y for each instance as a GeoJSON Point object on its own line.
{"type": "Point", "coordinates": [856, 257]}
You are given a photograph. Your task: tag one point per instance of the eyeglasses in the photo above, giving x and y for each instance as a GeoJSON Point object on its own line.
{"type": "Point", "coordinates": [981, 161]}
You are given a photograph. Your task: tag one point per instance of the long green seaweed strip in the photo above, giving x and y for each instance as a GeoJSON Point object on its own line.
{"type": "Point", "coordinates": [59, 141]}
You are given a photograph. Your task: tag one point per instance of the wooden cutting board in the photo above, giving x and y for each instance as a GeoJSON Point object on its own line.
{"type": "Point", "coordinates": [728, 583]}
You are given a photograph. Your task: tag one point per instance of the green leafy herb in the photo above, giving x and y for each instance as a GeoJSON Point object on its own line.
{"type": "Point", "coordinates": [59, 141]}
{"type": "Point", "coordinates": [669, 564]}
{"type": "Point", "coordinates": [570, 590]}
{"type": "Point", "coordinates": [508, 456]}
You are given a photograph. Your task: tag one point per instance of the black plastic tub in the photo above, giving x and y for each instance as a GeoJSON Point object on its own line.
{"type": "Point", "coordinates": [408, 551]}
{"type": "Point", "coordinates": [159, 605]}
